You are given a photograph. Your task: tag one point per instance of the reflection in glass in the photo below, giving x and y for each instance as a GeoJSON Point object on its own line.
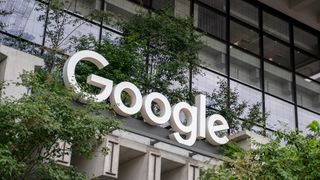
{"type": "Point", "coordinates": [69, 28]}
{"type": "Point", "coordinates": [307, 65]}
{"type": "Point", "coordinates": [210, 22]}
{"type": "Point", "coordinates": [218, 4]}
{"type": "Point", "coordinates": [24, 21]}
{"type": "Point", "coordinates": [308, 93]}
{"type": "Point", "coordinates": [244, 67]}
{"type": "Point", "coordinates": [306, 41]}
{"type": "Point", "coordinates": [278, 81]}
{"type": "Point", "coordinates": [213, 54]}
{"type": "Point", "coordinates": [281, 114]}
{"type": "Point", "coordinates": [206, 81]}
{"type": "Point", "coordinates": [247, 94]}
{"type": "Point", "coordinates": [245, 12]}
{"type": "Point", "coordinates": [276, 52]}
{"type": "Point", "coordinates": [305, 118]}
{"type": "Point", "coordinates": [244, 37]}
{"type": "Point", "coordinates": [276, 26]}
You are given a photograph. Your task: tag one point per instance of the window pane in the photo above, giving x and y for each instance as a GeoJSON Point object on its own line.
{"type": "Point", "coordinates": [278, 81]}
{"type": "Point", "coordinates": [306, 41]}
{"type": "Point", "coordinates": [213, 54]}
{"type": "Point", "coordinates": [251, 96]}
{"type": "Point", "coordinates": [73, 28]}
{"type": "Point", "coordinates": [244, 67]}
{"type": "Point", "coordinates": [244, 37]}
{"type": "Point", "coordinates": [307, 65]}
{"type": "Point", "coordinates": [276, 26]}
{"type": "Point", "coordinates": [276, 52]}
{"type": "Point", "coordinates": [210, 22]}
{"type": "Point", "coordinates": [207, 81]}
{"type": "Point", "coordinates": [308, 93]}
{"type": "Point", "coordinates": [245, 12]}
{"type": "Point", "coordinates": [83, 7]}
{"type": "Point", "coordinates": [218, 4]}
{"type": "Point", "coordinates": [281, 114]}
{"type": "Point", "coordinates": [24, 19]}
{"type": "Point", "coordinates": [305, 118]}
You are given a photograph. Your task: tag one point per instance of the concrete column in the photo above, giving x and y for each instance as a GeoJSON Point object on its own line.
{"type": "Point", "coordinates": [186, 172]}
{"type": "Point", "coordinates": [12, 64]}
{"type": "Point", "coordinates": [101, 164]}
{"type": "Point", "coordinates": [145, 167]}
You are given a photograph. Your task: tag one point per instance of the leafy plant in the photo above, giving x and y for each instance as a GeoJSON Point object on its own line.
{"type": "Point", "coordinates": [288, 156]}
{"type": "Point", "coordinates": [32, 126]}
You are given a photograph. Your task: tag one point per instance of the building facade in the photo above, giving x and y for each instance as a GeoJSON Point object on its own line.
{"type": "Point", "coordinates": [268, 50]}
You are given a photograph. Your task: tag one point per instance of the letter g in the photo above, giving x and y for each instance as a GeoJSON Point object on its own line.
{"type": "Point", "coordinates": [70, 80]}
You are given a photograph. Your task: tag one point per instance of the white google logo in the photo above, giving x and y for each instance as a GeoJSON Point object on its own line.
{"type": "Point", "coordinates": [197, 126]}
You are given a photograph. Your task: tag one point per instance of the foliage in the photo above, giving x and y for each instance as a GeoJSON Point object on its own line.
{"type": "Point", "coordinates": [225, 101]}
{"type": "Point", "coordinates": [32, 126]}
{"type": "Point", "coordinates": [288, 156]}
{"type": "Point", "coordinates": [156, 53]}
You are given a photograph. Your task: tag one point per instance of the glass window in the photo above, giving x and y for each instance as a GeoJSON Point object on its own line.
{"type": "Point", "coordinates": [306, 41]}
{"type": "Point", "coordinates": [73, 28]}
{"type": "Point", "coordinates": [210, 22]}
{"type": "Point", "coordinates": [276, 52]}
{"type": "Point", "coordinates": [83, 7]}
{"type": "Point", "coordinates": [244, 67]}
{"type": "Point", "coordinates": [245, 12]}
{"type": "Point", "coordinates": [247, 94]}
{"type": "Point", "coordinates": [275, 26]}
{"type": "Point", "coordinates": [307, 65]}
{"type": "Point", "coordinates": [278, 81]}
{"type": "Point", "coordinates": [213, 54]}
{"type": "Point", "coordinates": [24, 19]}
{"type": "Point", "coordinates": [305, 118]}
{"type": "Point", "coordinates": [308, 93]}
{"type": "Point", "coordinates": [281, 114]}
{"type": "Point", "coordinates": [206, 81]}
{"type": "Point", "coordinates": [163, 4]}
{"type": "Point", "coordinates": [218, 4]}
{"type": "Point", "coordinates": [244, 37]}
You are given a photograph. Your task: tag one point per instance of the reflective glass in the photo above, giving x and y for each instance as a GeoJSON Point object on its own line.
{"type": "Point", "coordinates": [305, 118]}
{"type": "Point", "coordinates": [306, 41]}
{"type": "Point", "coordinates": [245, 12]}
{"type": "Point", "coordinates": [244, 67]}
{"type": "Point", "coordinates": [276, 26]}
{"type": "Point", "coordinates": [276, 52]}
{"type": "Point", "coordinates": [207, 81]}
{"type": "Point", "coordinates": [210, 22]}
{"type": "Point", "coordinates": [213, 54]}
{"type": "Point", "coordinates": [278, 81]}
{"type": "Point", "coordinates": [23, 21]}
{"type": "Point", "coordinates": [308, 93]}
{"type": "Point", "coordinates": [244, 37]}
{"type": "Point", "coordinates": [218, 4]}
{"type": "Point", "coordinates": [247, 94]}
{"type": "Point", "coordinates": [307, 65]}
{"type": "Point", "coordinates": [281, 114]}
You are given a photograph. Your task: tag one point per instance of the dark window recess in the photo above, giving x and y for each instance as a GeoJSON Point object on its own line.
{"type": "Point", "coordinates": [244, 37]}
{"type": "Point", "coordinates": [146, 3]}
{"type": "Point", "coordinates": [217, 4]}
{"type": "Point", "coordinates": [211, 22]}
{"type": "Point", "coordinates": [276, 52]}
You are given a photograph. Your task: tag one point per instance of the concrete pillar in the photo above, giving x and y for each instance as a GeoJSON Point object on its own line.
{"type": "Point", "coordinates": [101, 164]}
{"type": "Point", "coordinates": [12, 64]}
{"type": "Point", "coordinates": [145, 167]}
{"type": "Point", "coordinates": [186, 172]}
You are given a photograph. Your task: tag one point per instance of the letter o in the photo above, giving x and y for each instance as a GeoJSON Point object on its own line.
{"type": "Point", "coordinates": [135, 96]}
{"type": "Point", "coordinates": [164, 105]}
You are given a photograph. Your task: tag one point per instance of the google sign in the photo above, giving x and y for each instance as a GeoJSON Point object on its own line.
{"type": "Point", "coordinates": [198, 126]}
